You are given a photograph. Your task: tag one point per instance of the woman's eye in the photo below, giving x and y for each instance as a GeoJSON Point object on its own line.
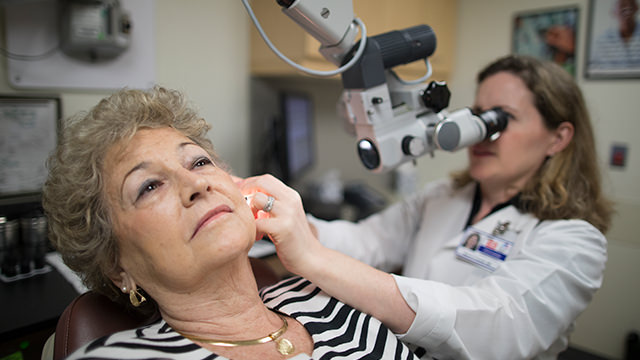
{"type": "Point", "coordinates": [509, 115]}
{"type": "Point", "coordinates": [202, 162]}
{"type": "Point", "coordinates": [147, 187]}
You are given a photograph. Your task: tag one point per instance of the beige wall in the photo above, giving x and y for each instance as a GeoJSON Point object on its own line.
{"type": "Point", "coordinates": [201, 49]}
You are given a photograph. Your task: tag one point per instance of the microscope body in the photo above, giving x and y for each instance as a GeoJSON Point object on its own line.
{"type": "Point", "coordinates": [394, 121]}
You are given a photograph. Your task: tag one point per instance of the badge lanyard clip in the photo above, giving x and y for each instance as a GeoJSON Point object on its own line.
{"type": "Point", "coordinates": [501, 228]}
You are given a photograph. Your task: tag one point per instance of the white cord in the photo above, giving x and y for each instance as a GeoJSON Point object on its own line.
{"type": "Point", "coordinates": [416, 81]}
{"type": "Point", "coordinates": [337, 71]}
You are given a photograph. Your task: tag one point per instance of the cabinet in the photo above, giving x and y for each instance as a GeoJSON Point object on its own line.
{"type": "Point", "coordinates": [379, 16]}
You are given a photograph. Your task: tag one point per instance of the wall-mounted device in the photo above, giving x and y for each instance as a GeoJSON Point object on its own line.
{"type": "Point", "coordinates": [94, 30]}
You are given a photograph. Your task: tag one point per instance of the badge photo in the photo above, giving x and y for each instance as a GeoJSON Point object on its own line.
{"type": "Point", "coordinates": [483, 249]}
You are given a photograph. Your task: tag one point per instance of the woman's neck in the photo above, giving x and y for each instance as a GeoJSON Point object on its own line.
{"type": "Point", "coordinates": [491, 196]}
{"type": "Point", "coordinates": [227, 308]}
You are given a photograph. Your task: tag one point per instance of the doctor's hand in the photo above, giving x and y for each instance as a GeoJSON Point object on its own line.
{"type": "Point", "coordinates": [302, 254]}
{"type": "Point", "coordinates": [286, 223]}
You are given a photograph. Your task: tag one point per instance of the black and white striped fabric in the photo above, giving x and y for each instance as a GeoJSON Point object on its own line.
{"type": "Point", "coordinates": [338, 331]}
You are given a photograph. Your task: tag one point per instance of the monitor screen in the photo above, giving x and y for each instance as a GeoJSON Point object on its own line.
{"type": "Point", "coordinates": [296, 136]}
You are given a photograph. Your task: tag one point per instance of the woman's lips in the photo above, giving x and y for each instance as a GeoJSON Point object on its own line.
{"type": "Point", "coordinates": [210, 216]}
{"type": "Point", "coordinates": [477, 151]}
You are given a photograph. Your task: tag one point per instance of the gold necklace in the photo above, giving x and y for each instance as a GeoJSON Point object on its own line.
{"type": "Point", "coordinates": [284, 346]}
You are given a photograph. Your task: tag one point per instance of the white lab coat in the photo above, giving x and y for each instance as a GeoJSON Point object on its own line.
{"type": "Point", "coordinates": [525, 309]}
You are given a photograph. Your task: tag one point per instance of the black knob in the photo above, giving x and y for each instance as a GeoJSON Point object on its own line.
{"type": "Point", "coordinates": [285, 3]}
{"type": "Point", "coordinates": [412, 146]}
{"type": "Point", "coordinates": [436, 96]}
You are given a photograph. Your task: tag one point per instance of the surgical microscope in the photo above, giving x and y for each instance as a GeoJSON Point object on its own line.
{"type": "Point", "coordinates": [394, 120]}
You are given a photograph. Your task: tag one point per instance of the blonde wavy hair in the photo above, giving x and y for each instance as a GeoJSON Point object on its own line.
{"type": "Point", "coordinates": [567, 185]}
{"type": "Point", "coordinates": [74, 198]}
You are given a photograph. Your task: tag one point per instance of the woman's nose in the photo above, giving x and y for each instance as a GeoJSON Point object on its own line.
{"type": "Point", "coordinates": [194, 186]}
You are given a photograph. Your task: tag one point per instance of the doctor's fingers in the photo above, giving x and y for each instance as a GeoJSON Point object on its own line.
{"type": "Point", "coordinates": [277, 228]}
{"type": "Point", "coordinates": [294, 241]}
{"type": "Point", "coordinates": [269, 185]}
{"type": "Point", "coordinates": [286, 206]}
{"type": "Point", "coordinates": [279, 217]}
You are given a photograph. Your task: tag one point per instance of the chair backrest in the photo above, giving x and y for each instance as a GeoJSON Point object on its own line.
{"type": "Point", "coordinates": [91, 315]}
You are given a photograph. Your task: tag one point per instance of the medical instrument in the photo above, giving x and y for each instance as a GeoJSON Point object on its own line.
{"type": "Point", "coordinates": [394, 120]}
{"type": "Point", "coordinates": [94, 30]}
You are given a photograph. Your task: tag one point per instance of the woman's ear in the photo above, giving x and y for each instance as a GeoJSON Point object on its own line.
{"type": "Point", "coordinates": [123, 281]}
{"type": "Point", "coordinates": [562, 137]}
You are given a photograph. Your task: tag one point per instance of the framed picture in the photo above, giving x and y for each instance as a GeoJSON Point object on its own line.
{"type": "Point", "coordinates": [29, 128]}
{"type": "Point", "coordinates": [548, 34]}
{"type": "Point", "coordinates": [613, 47]}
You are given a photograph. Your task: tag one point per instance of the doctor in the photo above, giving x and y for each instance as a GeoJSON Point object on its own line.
{"type": "Point", "coordinates": [533, 196]}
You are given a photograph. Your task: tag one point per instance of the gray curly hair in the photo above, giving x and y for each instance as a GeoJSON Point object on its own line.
{"type": "Point", "coordinates": [74, 200]}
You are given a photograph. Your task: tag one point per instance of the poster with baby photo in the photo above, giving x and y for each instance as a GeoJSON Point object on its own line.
{"type": "Point", "coordinates": [548, 34]}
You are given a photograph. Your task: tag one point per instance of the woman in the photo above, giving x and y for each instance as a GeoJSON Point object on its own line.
{"type": "Point", "coordinates": [534, 197]}
{"type": "Point", "coordinates": [140, 206]}
{"type": "Point", "coordinates": [472, 241]}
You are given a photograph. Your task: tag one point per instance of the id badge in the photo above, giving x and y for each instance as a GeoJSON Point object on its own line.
{"type": "Point", "coordinates": [483, 249]}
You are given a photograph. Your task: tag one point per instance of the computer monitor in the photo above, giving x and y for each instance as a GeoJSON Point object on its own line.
{"type": "Point", "coordinates": [295, 145]}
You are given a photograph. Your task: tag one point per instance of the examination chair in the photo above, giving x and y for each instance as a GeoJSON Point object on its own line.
{"type": "Point", "coordinates": [91, 315]}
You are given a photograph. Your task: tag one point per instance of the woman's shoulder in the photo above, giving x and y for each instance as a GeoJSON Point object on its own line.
{"type": "Point", "coordinates": [291, 290]}
{"type": "Point", "coordinates": [297, 293]}
{"type": "Point", "coordinates": [572, 243]}
{"type": "Point", "coordinates": [337, 329]}
{"type": "Point", "coordinates": [578, 226]}
{"type": "Point", "coordinates": [577, 229]}
{"type": "Point", "coordinates": [157, 340]}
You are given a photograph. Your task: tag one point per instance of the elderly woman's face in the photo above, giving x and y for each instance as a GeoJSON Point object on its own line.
{"type": "Point", "coordinates": [177, 216]}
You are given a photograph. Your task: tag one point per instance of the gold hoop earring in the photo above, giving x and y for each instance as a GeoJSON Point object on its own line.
{"type": "Point", "coordinates": [136, 298]}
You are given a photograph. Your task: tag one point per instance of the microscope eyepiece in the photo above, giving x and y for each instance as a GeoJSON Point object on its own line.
{"type": "Point", "coordinates": [495, 120]}
{"type": "Point", "coordinates": [464, 128]}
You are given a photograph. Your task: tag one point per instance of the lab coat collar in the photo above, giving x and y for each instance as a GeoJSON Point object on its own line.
{"type": "Point", "coordinates": [477, 200]}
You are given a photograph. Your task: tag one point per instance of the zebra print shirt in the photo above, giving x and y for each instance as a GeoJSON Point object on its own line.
{"type": "Point", "coordinates": [338, 331]}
